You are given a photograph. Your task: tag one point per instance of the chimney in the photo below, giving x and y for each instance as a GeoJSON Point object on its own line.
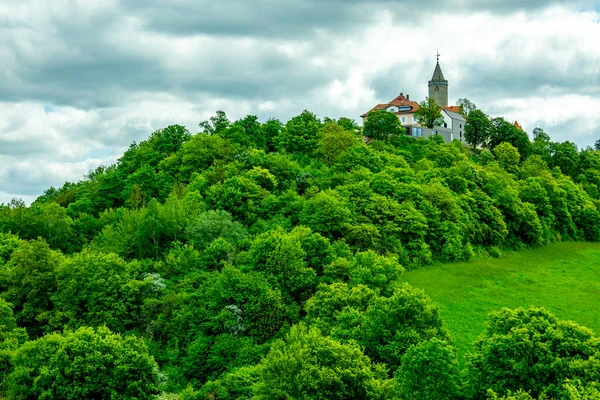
{"type": "Point", "coordinates": [407, 97]}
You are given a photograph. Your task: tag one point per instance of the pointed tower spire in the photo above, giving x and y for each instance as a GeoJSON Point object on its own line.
{"type": "Point", "coordinates": [438, 85]}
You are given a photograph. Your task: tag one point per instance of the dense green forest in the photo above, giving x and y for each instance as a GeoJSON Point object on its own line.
{"type": "Point", "coordinates": [264, 260]}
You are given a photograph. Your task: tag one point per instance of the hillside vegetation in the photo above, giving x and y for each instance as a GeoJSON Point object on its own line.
{"type": "Point", "coordinates": [265, 260]}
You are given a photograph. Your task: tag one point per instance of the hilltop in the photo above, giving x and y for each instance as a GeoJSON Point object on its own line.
{"type": "Point", "coordinates": [225, 258]}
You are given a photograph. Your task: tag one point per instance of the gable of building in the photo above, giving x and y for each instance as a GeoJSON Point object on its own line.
{"type": "Point", "coordinates": [399, 105]}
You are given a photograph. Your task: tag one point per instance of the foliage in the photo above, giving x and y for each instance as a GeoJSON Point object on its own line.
{"type": "Point", "coordinates": [85, 363]}
{"type": "Point", "coordinates": [429, 371]}
{"type": "Point", "coordinates": [508, 156]}
{"type": "Point", "coordinates": [214, 224]}
{"type": "Point", "coordinates": [28, 281]}
{"type": "Point", "coordinates": [534, 351]}
{"type": "Point", "coordinates": [300, 134]}
{"type": "Point", "coordinates": [309, 365]}
{"type": "Point", "coordinates": [466, 106]}
{"type": "Point", "coordinates": [429, 113]}
{"type": "Point", "coordinates": [95, 289]}
{"type": "Point", "coordinates": [504, 131]}
{"type": "Point", "coordinates": [335, 139]}
{"type": "Point", "coordinates": [478, 128]}
{"type": "Point", "coordinates": [382, 125]}
{"type": "Point", "coordinates": [252, 248]}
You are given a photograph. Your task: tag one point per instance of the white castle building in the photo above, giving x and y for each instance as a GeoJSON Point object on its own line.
{"type": "Point", "coordinates": [404, 108]}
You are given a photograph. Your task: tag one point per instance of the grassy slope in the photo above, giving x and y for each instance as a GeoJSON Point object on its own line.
{"type": "Point", "coordinates": [563, 277]}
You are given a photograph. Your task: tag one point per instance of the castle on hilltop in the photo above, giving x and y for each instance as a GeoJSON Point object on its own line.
{"type": "Point", "coordinates": [404, 108]}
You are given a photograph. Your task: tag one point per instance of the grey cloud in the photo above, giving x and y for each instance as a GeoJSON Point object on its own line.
{"type": "Point", "coordinates": [88, 70]}
{"type": "Point", "coordinates": [23, 147]}
{"type": "Point", "coordinates": [294, 18]}
{"type": "Point", "coordinates": [33, 177]}
{"type": "Point", "coordinates": [509, 77]}
{"type": "Point", "coordinates": [265, 18]}
{"type": "Point", "coordinates": [410, 78]}
{"type": "Point", "coordinates": [72, 58]}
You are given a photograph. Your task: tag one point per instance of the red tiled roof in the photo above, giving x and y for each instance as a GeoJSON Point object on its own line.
{"type": "Point", "coordinates": [516, 124]}
{"type": "Point", "coordinates": [456, 109]}
{"type": "Point", "coordinates": [403, 101]}
{"type": "Point", "coordinates": [398, 101]}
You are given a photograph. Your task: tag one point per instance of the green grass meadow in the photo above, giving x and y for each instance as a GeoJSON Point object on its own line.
{"type": "Point", "coordinates": [562, 277]}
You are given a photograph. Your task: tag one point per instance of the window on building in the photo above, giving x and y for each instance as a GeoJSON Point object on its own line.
{"type": "Point", "coordinates": [461, 125]}
{"type": "Point", "coordinates": [403, 119]}
{"type": "Point", "coordinates": [445, 124]}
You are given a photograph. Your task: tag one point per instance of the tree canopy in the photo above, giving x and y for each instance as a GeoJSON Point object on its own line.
{"type": "Point", "coordinates": [266, 259]}
{"type": "Point", "coordinates": [429, 113]}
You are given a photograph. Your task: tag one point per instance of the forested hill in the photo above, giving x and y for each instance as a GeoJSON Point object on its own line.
{"type": "Point", "coordinates": [264, 260]}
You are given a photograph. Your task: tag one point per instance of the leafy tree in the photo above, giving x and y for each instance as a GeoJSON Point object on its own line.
{"type": "Point", "coordinates": [236, 384]}
{"type": "Point", "coordinates": [504, 131]}
{"type": "Point", "coordinates": [200, 153]}
{"type": "Point", "coordinates": [541, 144]}
{"type": "Point", "coordinates": [216, 124]}
{"type": "Point", "coordinates": [29, 280]}
{"type": "Point", "coordinates": [326, 213]}
{"type": "Point", "coordinates": [212, 225]}
{"type": "Point", "coordinates": [565, 156]}
{"type": "Point", "coordinates": [532, 350]}
{"type": "Point", "coordinates": [8, 244]}
{"type": "Point", "coordinates": [332, 304]}
{"type": "Point", "coordinates": [429, 371]}
{"type": "Point", "coordinates": [391, 325]}
{"type": "Point", "coordinates": [11, 338]}
{"type": "Point", "coordinates": [85, 363]}
{"type": "Point", "coordinates": [508, 156]}
{"type": "Point", "coordinates": [597, 145]}
{"type": "Point", "coordinates": [403, 228]}
{"type": "Point", "coordinates": [478, 128]}
{"type": "Point", "coordinates": [280, 256]}
{"type": "Point", "coordinates": [240, 196]}
{"type": "Point", "coordinates": [253, 130]}
{"type": "Point", "coordinates": [272, 129]}
{"type": "Point", "coordinates": [247, 304]}
{"type": "Point", "coordinates": [429, 113]}
{"type": "Point", "coordinates": [300, 134]}
{"type": "Point", "coordinates": [376, 271]}
{"type": "Point", "coordinates": [95, 289]}
{"type": "Point", "coordinates": [309, 365]}
{"type": "Point", "coordinates": [382, 125]}
{"type": "Point", "coordinates": [466, 106]}
{"type": "Point", "coordinates": [334, 141]}
{"type": "Point", "coordinates": [207, 357]}
{"type": "Point", "coordinates": [170, 139]}
{"type": "Point", "coordinates": [349, 125]}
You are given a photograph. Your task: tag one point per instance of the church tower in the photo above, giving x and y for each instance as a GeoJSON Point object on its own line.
{"type": "Point", "coordinates": [438, 86]}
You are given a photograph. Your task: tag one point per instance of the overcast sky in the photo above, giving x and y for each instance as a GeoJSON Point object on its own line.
{"type": "Point", "coordinates": [81, 79]}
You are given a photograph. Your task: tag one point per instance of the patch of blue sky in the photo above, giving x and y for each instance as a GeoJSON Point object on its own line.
{"type": "Point", "coordinates": [102, 152]}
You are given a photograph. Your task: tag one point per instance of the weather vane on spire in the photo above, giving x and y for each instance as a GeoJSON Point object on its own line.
{"type": "Point", "coordinates": [438, 55]}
